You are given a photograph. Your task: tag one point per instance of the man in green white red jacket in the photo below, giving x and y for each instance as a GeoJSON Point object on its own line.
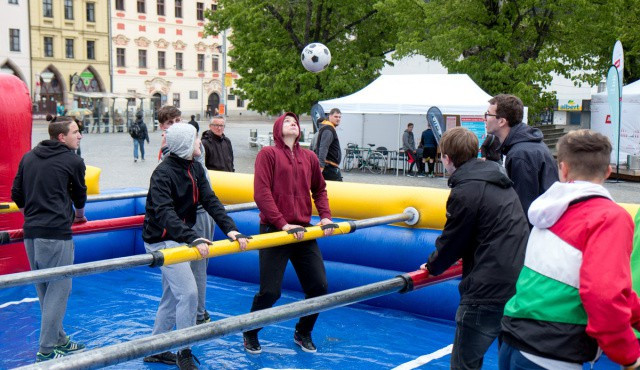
{"type": "Point", "coordinates": [574, 295]}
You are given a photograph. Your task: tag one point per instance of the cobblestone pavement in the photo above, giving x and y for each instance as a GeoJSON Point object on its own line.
{"type": "Point", "coordinates": [113, 153]}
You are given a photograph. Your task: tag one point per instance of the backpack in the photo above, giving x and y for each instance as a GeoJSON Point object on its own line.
{"type": "Point", "coordinates": [315, 143]}
{"type": "Point", "coordinates": [135, 130]}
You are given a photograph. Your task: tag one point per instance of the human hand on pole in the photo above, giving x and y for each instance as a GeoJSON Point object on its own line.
{"type": "Point", "coordinates": [329, 230]}
{"type": "Point", "coordinates": [299, 235]}
{"type": "Point", "coordinates": [242, 239]}
{"type": "Point", "coordinates": [79, 216]}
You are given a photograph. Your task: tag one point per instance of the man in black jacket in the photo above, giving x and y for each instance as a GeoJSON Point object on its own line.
{"type": "Point", "coordinates": [328, 150]}
{"type": "Point", "coordinates": [529, 162]}
{"type": "Point", "coordinates": [177, 186]}
{"type": "Point", "coordinates": [50, 179]}
{"type": "Point", "coordinates": [217, 147]}
{"type": "Point", "coordinates": [486, 227]}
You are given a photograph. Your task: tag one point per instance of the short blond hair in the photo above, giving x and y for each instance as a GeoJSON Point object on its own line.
{"type": "Point", "coordinates": [460, 145]}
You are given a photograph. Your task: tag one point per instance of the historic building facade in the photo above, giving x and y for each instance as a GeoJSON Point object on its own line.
{"type": "Point", "coordinates": [14, 40]}
{"type": "Point", "coordinates": [69, 51]}
{"type": "Point", "coordinates": [159, 51]}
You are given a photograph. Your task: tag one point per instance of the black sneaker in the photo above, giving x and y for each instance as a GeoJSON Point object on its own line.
{"type": "Point", "coordinates": [304, 341]}
{"type": "Point", "coordinates": [251, 343]}
{"type": "Point", "coordinates": [185, 360]}
{"type": "Point", "coordinates": [205, 318]}
{"type": "Point", "coordinates": [164, 357]}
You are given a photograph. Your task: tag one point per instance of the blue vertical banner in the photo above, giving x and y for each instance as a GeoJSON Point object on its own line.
{"type": "Point", "coordinates": [435, 120]}
{"type": "Point", "coordinates": [317, 112]}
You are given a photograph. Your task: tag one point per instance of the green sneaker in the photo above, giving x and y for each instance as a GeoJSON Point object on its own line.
{"type": "Point", "coordinates": [70, 347]}
{"type": "Point", "coordinates": [40, 357]}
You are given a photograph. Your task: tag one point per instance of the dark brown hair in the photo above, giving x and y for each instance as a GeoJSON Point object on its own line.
{"type": "Point", "coordinates": [588, 153]}
{"type": "Point", "coordinates": [334, 110]}
{"type": "Point", "coordinates": [509, 107]}
{"type": "Point", "coordinates": [58, 125]}
{"type": "Point", "coordinates": [168, 112]}
{"type": "Point", "coordinates": [460, 145]}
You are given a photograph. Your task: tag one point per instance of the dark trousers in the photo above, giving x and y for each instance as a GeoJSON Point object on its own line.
{"type": "Point", "coordinates": [477, 326]}
{"type": "Point", "coordinates": [510, 358]}
{"type": "Point", "coordinates": [306, 260]}
{"type": "Point", "coordinates": [331, 173]}
{"type": "Point", "coordinates": [428, 154]}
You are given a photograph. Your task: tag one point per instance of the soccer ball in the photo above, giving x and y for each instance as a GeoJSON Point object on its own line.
{"type": "Point", "coordinates": [315, 57]}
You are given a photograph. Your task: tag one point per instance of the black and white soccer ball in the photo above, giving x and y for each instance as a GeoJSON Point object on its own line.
{"type": "Point", "coordinates": [315, 57]}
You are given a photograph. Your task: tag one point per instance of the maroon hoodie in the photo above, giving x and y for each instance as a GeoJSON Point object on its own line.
{"type": "Point", "coordinates": [282, 180]}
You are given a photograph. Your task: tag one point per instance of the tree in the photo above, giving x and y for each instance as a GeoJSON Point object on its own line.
{"type": "Point", "coordinates": [268, 37]}
{"type": "Point", "coordinates": [509, 46]}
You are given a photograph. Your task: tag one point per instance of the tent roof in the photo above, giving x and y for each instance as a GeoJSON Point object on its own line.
{"type": "Point", "coordinates": [415, 94]}
{"type": "Point", "coordinates": [632, 88]}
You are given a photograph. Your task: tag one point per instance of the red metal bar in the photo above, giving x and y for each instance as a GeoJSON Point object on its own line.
{"type": "Point", "coordinates": [421, 278]}
{"type": "Point", "coordinates": [130, 222]}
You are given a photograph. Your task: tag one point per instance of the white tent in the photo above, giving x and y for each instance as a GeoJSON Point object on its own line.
{"type": "Point", "coordinates": [379, 113]}
{"type": "Point", "coordinates": [630, 120]}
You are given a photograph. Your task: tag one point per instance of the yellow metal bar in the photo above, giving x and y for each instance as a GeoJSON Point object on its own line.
{"type": "Point", "coordinates": [260, 241]}
{"type": "Point", "coordinates": [8, 207]}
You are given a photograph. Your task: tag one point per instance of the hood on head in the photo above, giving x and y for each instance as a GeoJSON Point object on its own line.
{"type": "Point", "coordinates": [277, 129]}
{"type": "Point", "coordinates": [522, 133]}
{"type": "Point", "coordinates": [550, 206]}
{"type": "Point", "coordinates": [180, 140]}
{"type": "Point", "coordinates": [479, 170]}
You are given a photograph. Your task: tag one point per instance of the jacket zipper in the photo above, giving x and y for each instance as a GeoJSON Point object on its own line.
{"type": "Point", "coordinates": [193, 185]}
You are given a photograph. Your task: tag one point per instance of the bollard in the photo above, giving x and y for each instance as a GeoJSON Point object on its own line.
{"type": "Point", "coordinates": [253, 137]}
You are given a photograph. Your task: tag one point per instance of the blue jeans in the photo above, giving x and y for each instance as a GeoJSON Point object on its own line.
{"type": "Point", "coordinates": [477, 326]}
{"type": "Point", "coordinates": [137, 142]}
{"type": "Point", "coordinates": [511, 359]}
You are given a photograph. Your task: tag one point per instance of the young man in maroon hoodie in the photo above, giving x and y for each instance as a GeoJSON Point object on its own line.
{"type": "Point", "coordinates": [284, 175]}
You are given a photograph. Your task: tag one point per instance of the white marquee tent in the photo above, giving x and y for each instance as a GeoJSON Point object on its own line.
{"type": "Point", "coordinates": [379, 113]}
{"type": "Point", "coordinates": [630, 120]}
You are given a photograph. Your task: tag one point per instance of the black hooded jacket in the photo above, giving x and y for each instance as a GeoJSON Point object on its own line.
{"type": "Point", "coordinates": [218, 155]}
{"type": "Point", "coordinates": [485, 227]}
{"type": "Point", "coordinates": [50, 178]}
{"type": "Point", "coordinates": [529, 163]}
{"type": "Point", "coordinates": [177, 185]}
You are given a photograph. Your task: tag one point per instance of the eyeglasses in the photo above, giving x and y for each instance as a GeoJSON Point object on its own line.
{"type": "Point", "coordinates": [217, 126]}
{"type": "Point", "coordinates": [487, 114]}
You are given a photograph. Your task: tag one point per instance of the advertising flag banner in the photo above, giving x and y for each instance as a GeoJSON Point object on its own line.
{"type": "Point", "coordinates": [435, 120]}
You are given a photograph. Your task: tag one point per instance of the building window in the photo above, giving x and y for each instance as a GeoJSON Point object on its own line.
{"type": "Point", "coordinates": [176, 100]}
{"type": "Point", "coordinates": [141, 6]}
{"type": "Point", "coordinates": [160, 7]}
{"type": "Point", "coordinates": [231, 97]}
{"type": "Point", "coordinates": [200, 11]}
{"type": "Point", "coordinates": [14, 39]}
{"type": "Point", "coordinates": [13, 1]}
{"type": "Point", "coordinates": [162, 60]}
{"type": "Point", "coordinates": [48, 46]}
{"type": "Point", "coordinates": [47, 8]}
{"type": "Point", "coordinates": [91, 12]}
{"type": "Point", "coordinates": [120, 57]}
{"type": "Point", "coordinates": [214, 7]}
{"type": "Point", "coordinates": [119, 4]}
{"type": "Point", "coordinates": [142, 58]}
{"type": "Point", "coordinates": [91, 49]}
{"type": "Point", "coordinates": [201, 62]}
{"type": "Point", "coordinates": [179, 61]}
{"type": "Point", "coordinates": [68, 47]}
{"type": "Point", "coordinates": [178, 8]}
{"type": "Point", "coordinates": [193, 94]}
{"type": "Point", "coordinates": [216, 63]}
{"type": "Point", "coordinates": [68, 9]}
{"type": "Point", "coordinates": [240, 103]}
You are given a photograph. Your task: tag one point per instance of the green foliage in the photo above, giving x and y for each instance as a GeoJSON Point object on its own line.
{"type": "Point", "coordinates": [268, 37]}
{"type": "Point", "coordinates": [509, 46]}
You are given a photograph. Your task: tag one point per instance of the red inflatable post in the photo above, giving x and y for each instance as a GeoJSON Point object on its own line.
{"type": "Point", "coordinates": [15, 141]}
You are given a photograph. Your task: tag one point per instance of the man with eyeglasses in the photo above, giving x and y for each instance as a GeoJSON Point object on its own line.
{"type": "Point", "coordinates": [217, 147]}
{"type": "Point", "coordinates": [528, 161]}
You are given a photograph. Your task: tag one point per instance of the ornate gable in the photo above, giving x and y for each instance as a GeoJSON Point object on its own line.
{"type": "Point", "coordinates": [142, 41]}
{"type": "Point", "coordinates": [201, 46]}
{"type": "Point", "coordinates": [158, 84]}
{"type": "Point", "coordinates": [120, 40]}
{"type": "Point", "coordinates": [179, 45]}
{"type": "Point", "coordinates": [161, 44]}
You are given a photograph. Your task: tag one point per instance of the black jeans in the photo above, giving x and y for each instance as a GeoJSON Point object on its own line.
{"type": "Point", "coordinates": [306, 260]}
{"type": "Point", "coordinates": [477, 326]}
{"type": "Point", "coordinates": [331, 173]}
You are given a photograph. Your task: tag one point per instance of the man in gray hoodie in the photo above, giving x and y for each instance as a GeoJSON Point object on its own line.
{"type": "Point", "coordinates": [409, 146]}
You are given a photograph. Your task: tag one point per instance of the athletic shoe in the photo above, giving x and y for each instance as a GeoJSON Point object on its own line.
{"type": "Point", "coordinates": [251, 343]}
{"type": "Point", "coordinates": [135, 160]}
{"type": "Point", "coordinates": [205, 318]}
{"type": "Point", "coordinates": [431, 175]}
{"type": "Point", "coordinates": [164, 357]}
{"type": "Point", "coordinates": [185, 360]}
{"type": "Point", "coordinates": [421, 175]}
{"type": "Point", "coordinates": [40, 357]}
{"type": "Point", "coordinates": [304, 341]}
{"type": "Point", "coordinates": [70, 347]}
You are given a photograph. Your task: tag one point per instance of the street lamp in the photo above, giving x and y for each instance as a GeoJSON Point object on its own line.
{"type": "Point", "coordinates": [204, 72]}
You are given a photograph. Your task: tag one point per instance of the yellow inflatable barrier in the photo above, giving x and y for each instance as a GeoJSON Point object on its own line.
{"type": "Point", "coordinates": [92, 180]}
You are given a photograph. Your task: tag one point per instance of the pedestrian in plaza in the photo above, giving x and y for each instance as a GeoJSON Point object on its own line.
{"type": "Point", "coordinates": [486, 227]}
{"type": "Point", "coordinates": [139, 133]}
{"type": "Point", "coordinates": [328, 148]}
{"type": "Point", "coordinates": [429, 147]}
{"type": "Point", "coordinates": [177, 186]}
{"type": "Point", "coordinates": [48, 185]}
{"type": "Point", "coordinates": [574, 297]}
{"type": "Point", "coordinates": [409, 146]}
{"type": "Point", "coordinates": [529, 162]}
{"type": "Point", "coordinates": [217, 147]}
{"type": "Point", "coordinates": [280, 171]}
{"type": "Point", "coordinates": [105, 120]}
{"type": "Point", "coordinates": [194, 123]}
